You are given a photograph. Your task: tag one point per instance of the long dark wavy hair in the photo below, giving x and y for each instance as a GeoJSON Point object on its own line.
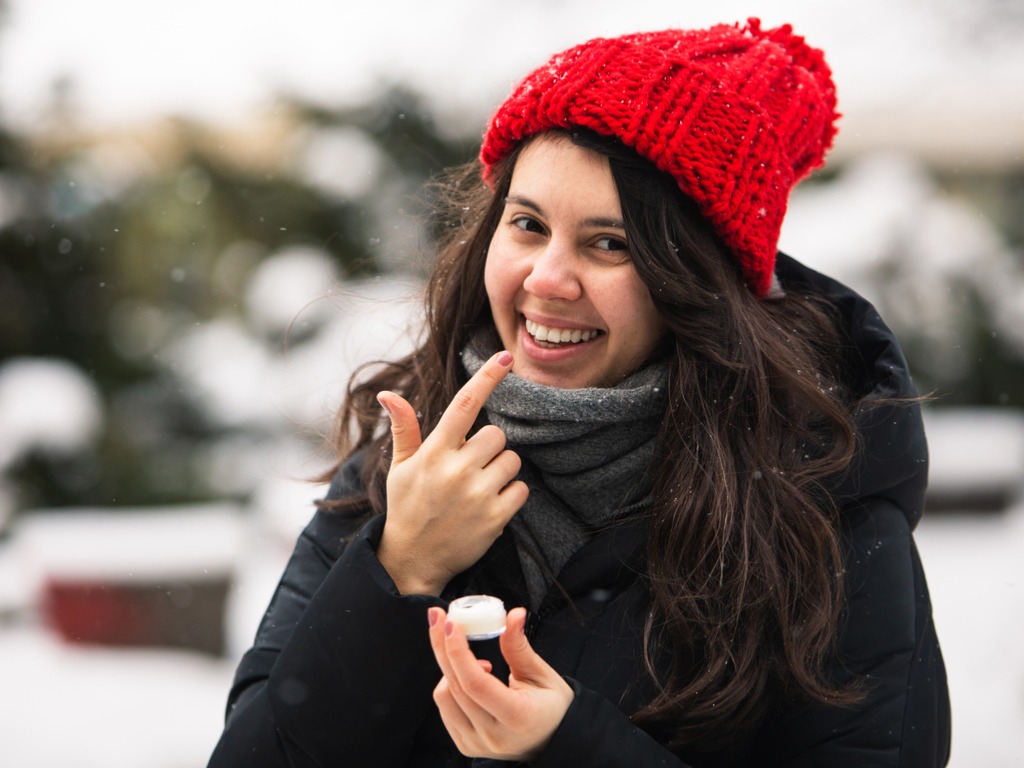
{"type": "Point", "coordinates": [744, 555]}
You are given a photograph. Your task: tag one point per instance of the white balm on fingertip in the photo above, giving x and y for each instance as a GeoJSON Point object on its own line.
{"type": "Point", "coordinates": [481, 617]}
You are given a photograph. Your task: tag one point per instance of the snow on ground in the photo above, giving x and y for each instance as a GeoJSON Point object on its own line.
{"type": "Point", "coordinates": [973, 565]}
{"type": "Point", "coordinates": [106, 708]}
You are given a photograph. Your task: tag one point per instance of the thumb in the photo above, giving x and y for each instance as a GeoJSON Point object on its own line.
{"type": "Point", "coordinates": [524, 664]}
{"type": "Point", "coordinates": [405, 427]}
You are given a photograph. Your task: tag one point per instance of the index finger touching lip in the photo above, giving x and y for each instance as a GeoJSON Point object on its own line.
{"type": "Point", "coordinates": [460, 415]}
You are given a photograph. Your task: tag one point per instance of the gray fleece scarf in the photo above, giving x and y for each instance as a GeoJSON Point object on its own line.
{"type": "Point", "coordinates": [587, 456]}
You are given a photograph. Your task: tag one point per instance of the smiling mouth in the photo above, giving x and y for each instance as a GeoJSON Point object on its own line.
{"type": "Point", "coordinates": [550, 337]}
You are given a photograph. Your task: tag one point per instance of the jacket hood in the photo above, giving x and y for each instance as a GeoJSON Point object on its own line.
{"type": "Point", "coordinates": [892, 456]}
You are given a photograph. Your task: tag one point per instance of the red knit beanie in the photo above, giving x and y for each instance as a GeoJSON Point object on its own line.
{"type": "Point", "coordinates": [737, 115]}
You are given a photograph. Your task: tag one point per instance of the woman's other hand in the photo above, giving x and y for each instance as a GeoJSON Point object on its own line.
{"type": "Point", "coordinates": [485, 717]}
{"type": "Point", "coordinates": [449, 498]}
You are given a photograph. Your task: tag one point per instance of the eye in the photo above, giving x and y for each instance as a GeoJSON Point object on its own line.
{"type": "Point", "coordinates": [611, 244]}
{"type": "Point", "coordinates": [526, 223]}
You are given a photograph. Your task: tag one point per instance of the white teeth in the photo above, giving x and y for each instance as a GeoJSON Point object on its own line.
{"type": "Point", "coordinates": [558, 335]}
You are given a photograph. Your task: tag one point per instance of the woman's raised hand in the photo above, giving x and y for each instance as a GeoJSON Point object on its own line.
{"type": "Point", "coordinates": [485, 717]}
{"type": "Point", "coordinates": [449, 498]}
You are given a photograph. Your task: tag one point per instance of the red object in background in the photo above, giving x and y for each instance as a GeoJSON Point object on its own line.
{"type": "Point", "coordinates": [183, 614]}
{"type": "Point", "coordinates": [154, 577]}
{"type": "Point", "coordinates": [96, 612]}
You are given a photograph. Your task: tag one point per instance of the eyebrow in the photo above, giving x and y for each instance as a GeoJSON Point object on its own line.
{"type": "Point", "coordinates": [597, 222]}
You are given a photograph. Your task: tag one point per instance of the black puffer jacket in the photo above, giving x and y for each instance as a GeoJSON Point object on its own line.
{"type": "Point", "coordinates": [341, 671]}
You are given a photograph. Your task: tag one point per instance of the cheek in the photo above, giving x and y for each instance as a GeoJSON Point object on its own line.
{"type": "Point", "coordinates": [501, 298]}
{"type": "Point", "coordinates": [499, 281]}
{"type": "Point", "coordinates": [491, 283]}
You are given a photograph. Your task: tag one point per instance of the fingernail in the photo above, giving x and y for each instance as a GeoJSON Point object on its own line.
{"type": "Point", "coordinates": [448, 628]}
{"type": "Point", "coordinates": [505, 358]}
{"type": "Point", "coordinates": [432, 614]}
{"type": "Point", "coordinates": [383, 404]}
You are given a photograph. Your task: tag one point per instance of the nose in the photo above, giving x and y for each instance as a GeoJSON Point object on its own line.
{"type": "Point", "coordinates": [554, 274]}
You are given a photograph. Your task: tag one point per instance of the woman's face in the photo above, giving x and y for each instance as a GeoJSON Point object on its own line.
{"type": "Point", "coordinates": [565, 297]}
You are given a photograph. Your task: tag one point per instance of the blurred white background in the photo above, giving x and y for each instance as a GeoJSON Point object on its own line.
{"type": "Point", "coordinates": [931, 92]}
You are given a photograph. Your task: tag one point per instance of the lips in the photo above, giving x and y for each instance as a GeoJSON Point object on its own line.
{"type": "Point", "coordinates": [546, 334]}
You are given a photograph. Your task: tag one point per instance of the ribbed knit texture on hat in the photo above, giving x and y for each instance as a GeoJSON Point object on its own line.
{"type": "Point", "coordinates": [737, 115]}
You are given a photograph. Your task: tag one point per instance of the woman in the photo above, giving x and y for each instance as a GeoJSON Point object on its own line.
{"type": "Point", "coordinates": [694, 463]}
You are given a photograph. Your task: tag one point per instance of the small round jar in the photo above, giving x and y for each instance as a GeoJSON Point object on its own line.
{"type": "Point", "coordinates": [481, 617]}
